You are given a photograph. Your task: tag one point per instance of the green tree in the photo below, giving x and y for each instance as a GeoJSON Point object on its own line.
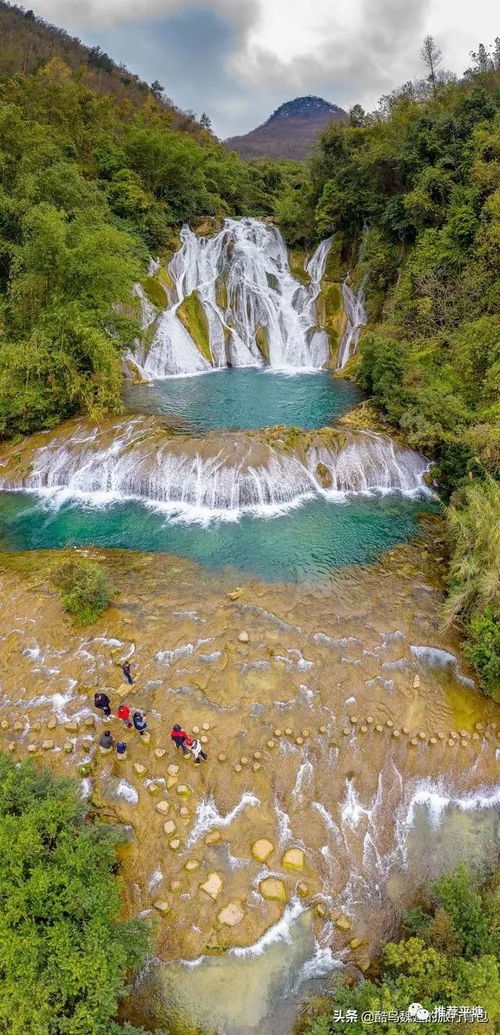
{"type": "Point", "coordinates": [86, 588]}
{"type": "Point", "coordinates": [66, 956]}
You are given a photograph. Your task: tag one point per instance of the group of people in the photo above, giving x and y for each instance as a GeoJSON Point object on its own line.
{"type": "Point", "coordinates": [135, 719]}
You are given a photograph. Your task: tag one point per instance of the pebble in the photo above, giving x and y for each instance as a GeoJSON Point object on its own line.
{"type": "Point", "coordinates": [205, 726]}
{"type": "Point", "coordinates": [464, 734]}
{"type": "Point", "coordinates": [161, 905]}
{"type": "Point", "coordinates": [172, 770]}
{"type": "Point", "coordinates": [353, 719]}
{"type": "Point", "coordinates": [256, 766]}
{"type": "Point", "coordinates": [71, 726]}
{"type": "Point", "coordinates": [343, 924]}
{"type": "Point", "coordinates": [379, 728]}
{"type": "Point", "coordinates": [221, 757]}
{"type": "Point", "coordinates": [175, 843]}
{"type": "Point", "coordinates": [184, 811]}
{"type": "Point", "coordinates": [232, 914]}
{"type": "Point", "coordinates": [203, 739]}
{"type": "Point", "coordinates": [182, 788]}
{"type": "Point", "coordinates": [463, 743]}
{"type": "Point", "coordinates": [163, 807]}
{"type": "Point", "coordinates": [171, 782]}
{"type": "Point", "coordinates": [271, 743]}
{"type": "Point", "coordinates": [293, 859]}
{"type": "Point", "coordinates": [303, 889]}
{"type": "Point", "coordinates": [320, 910]}
{"type": "Point", "coordinates": [153, 788]}
{"type": "Point", "coordinates": [432, 740]}
{"type": "Point", "coordinates": [306, 732]}
{"type": "Point", "coordinates": [47, 745]}
{"type": "Point", "coordinates": [169, 827]}
{"type": "Point", "coordinates": [389, 723]}
{"type": "Point", "coordinates": [414, 741]}
{"type": "Point", "coordinates": [67, 747]}
{"type": "Point", "coordinates": [440, 735]}
{"type": "Point", "coordinates": [195, 729]}
{"type": "Point", "coordinates": [323, 729]}
{"type": "Point", "coordinates": [103, 750]}
{"type": "Point", "coordinates": [475, 736]}
{"type": "Point", "coordinates": [213, 837]}
{"type": "Point", "coordinates": [422, 735]}
{"type": "Point", "coordinates": [454, 734]}
{"type": "Point", "coordinates": [18, 726]}
{"type": "Point", "coordinates": [243, 636]}
{"type": "Point", "coordinates": [12, 746]}
{"type": "Point", "coordinates": [52, 723]}
{"type": "Point", "coordinates": [289, 732]}
{"type": "Point", "coordinates": [451, 742]}
{"type": "Point", "coordinates": [479, 726]}
{"type": "Point", "coordinates": [160, 752]}
{"type": "Point", "coordinates": [212, 885]}
{"type": "Point", "coordinates": [355, 943]}
{"type": "Point", "coordinates": [273, 888]}
{"type": "Point", "coordinates": [175, 885]}
{"type": "Point", "coordinates": [278, 733]}
{"type": "Point", "coordinates": [347, 731]}
{"type": "Point", "coordinates": [299, 740]}
{"type": "Point", "coordinates": [396, 734]}
{"type": "Point", "coordinates": [238, 768]}
{"type": "Point", "coordinates": [369, 719]}
{"type": "Point", "coordinates": [416, 682]}
{"type": "Point", "coordinates": [191, 865]}
{"type": "Point", "coordinates": [363, 729]}
{"type": "Point", "coordinates": [257, 755]}
{"type": "Point", "coordinates": [262, 849]}
{"type": "Point", "coordinates": [89, 722]}
{"type": "Point", "coordinates": [406, 730]}
{"type": "Point", "coordinates": [139, 768]}
{"type": "Point", "coordinates": [244, 760]}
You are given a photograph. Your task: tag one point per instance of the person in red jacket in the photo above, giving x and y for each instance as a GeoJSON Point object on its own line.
{"type": "Point", "coordinates": [124, 713]}
{"type": "Point", "coordinates": [178, 736]}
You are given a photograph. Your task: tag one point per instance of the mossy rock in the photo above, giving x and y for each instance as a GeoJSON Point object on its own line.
{"type": "Point", "coordinates": [156, 292]}
{"type": "Point", "coordinates": [262, 342]}
{"type": "Point", "coordinates": [221, 295]}
{"type": "Point", "coordinates": [296, 260]}
{"type": "Point", "coordinates": [192, 315]}
{"type": "Point", "coordinates": [163, 276]}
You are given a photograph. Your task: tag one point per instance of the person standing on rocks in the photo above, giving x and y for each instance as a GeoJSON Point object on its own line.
{"type": "Point", "coordinates": [124, 714]}
{"type": "Point", "coordinates": [101, 701]}
{"type": "Point", "coordinates": [195, 749]}
{"type": "Point", "coordinates": [139, 722]}
{"type": "Point", "coordinates": [126, 671]}
{"type": "Point", "coordinates": [106, 740]}
{"type": "Point", "coordinates": [179, 736]}
{"type": "Point", "coordinates": [121, 748]}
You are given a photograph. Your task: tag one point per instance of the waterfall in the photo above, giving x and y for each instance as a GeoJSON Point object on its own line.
{"type": "Point", "coordinates": [221, 475]}
{"type": "Point", "coordinates": [356, 318]}
{"type": "Point", "coordinates": [257, 313]}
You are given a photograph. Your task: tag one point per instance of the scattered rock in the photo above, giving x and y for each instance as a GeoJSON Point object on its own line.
{"type": "Point", "coordinates": [146, 737]}
{"type": "Point", "coordinates": [12, 746]}
{"type": "Point", "coordinates": [422, 735]}
{"type": "Point", "coordinates": [160, 752]}
{"type": "Point", "coordinates": [184, 811]}
{"type": "Point", "coordinates": [163, 807]}
{"type": "Point", "coordinates": [222, 757]}
{"type": "Point", "coordinates": [32, 748]}
{"type": "Point", "coordinates": [278, 732]}
{"type": "Point", "coordinates": [172, 770]}
{"type": "Point", "coordinates": [353, 719]}
{"type": "Point", "coordinates": [52, 723]}
{"type": "Point", "coordinates": [153, 788]}
{"type": "Point", "coordinates": [243, 636]}
{"type": "Point", "coordinates": [18, 726]}
{"type": "Point", "coordinates": [379, 728]}
{"type": "Point", "coordinates": [213, 837]}
{"type": "Point", "coordinates": [346, 731]}
{"type": "Point", "coordinates": [203, 739]}
{"type": "Point", "coordinates": [369, 719]}
{"type": "Point", "coordinates": [140, 768]}
{"type": "Point", "coordinates": [405, 730]}
{"type": "Point", "coordinates": [299, 740]}
{"type": "Point", "coordinates": [256, 766]}
{"type": "Point", "coordinates": [205, 725]}
{"type": "Point", "coordinates": [414, 741]}
{"type": "Point", "coordinates": [416, 682]}
{"type": "Point", "coordinates": [396, 734]}
{"type": "Point", "coordinates": [183, 789]}
{"type": "Point", "coordinates": [343, 923]}
{"type": "Point", "coordinates": [322, 729]}
{"type": "Point", "coordinates": [175, 885]}
{"type": "Point", "coordinates": [103, 750]}
{"type": "Point", "coordinates": [234, 594]}
{"type": "Point", "coordinates": [244, 760]}
{"type": "Point", "coordinates": [171, 782]}
{"type": "Point", "coordinates": [212, 886]}
{"type": "Point", "coordinates": [161, 905]}
{"type": "Point", "coordinates": [48, 745]}
{"type": "Point", "coordinates": [232, 914]}
{"type": "Point", "coordinates": [389, 724]}
{"type": "Point", "coordinates": [320, 910]}
{"type": "Point", "coordinates": [293, 859]}
{"type": "Point", "coordinates": [191, 865]}
{"type": "Point", "coordinates": [238, 768]}
{"type": "Point", "coordinates": [432, 740]}
{"type": "Point", "coordinates": [271, 743]}
{"type": "Point", "coordinates": [303, 889]}
{"type": "Point", "coordinates": [273, 888]}
{"type": "Point", "coordinates": [262, 849]}
{"type": "Point", "coordinates": [289, 732]}
{"type": "Point", "coordinates": [195, 730]}
{"type": "Point", "coordinates": [257, 755]}
{"type": "Point", "coordinates": [71, 726]}
{"type": "Point", "coordinates": [355, 943]}
{"type": "Point", "coordinates": [363, 729]}
{"type": "Point", "coordinates": [89, 722]}
{"type": "Point", "coordinates": [175, 843]}
{"type": "Point", "coordinates": [169, 827]}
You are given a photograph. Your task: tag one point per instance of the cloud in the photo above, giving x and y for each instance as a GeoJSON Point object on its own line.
{"type": "Point", "coordinates": [239, 59]}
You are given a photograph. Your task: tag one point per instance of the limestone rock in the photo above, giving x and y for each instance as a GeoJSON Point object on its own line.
{"type": "Point", "coordinates": [140, 768]}
{"type": "Point", "coordinates": [175, 843]}
{"type": "Point", "coordinates": [153, 788]}
{"type": "Point", "coordinates": [232, 914]}
{"type": "Point", "coordinates": [320, 910]}
{"type": "Point", "coordinates": [212, 886]}
{"type": "Point", "coordinates": [184, 811]}
{"type": "Point", "coordinates": [205, 726]}
{"type": "Point", "coordinates": [171, 782]}
{"type": "Point", "coordinates": [160, 752]}
{"type": "Point", "coordinates": [175, 885]}
{"type": "Point", "coordinates": [32, 748]}
{"type": "Point", "coordinates": [191, 865]}
{"type": "Point", "coordinates": [48, 745]}
{"type": "Point", "coordinates": [262, 849]}
{"type": "Point", "coordinates": [89, 722]}
{"type": "Point", "coordinates": [293, 859]}
{"type": "Point", "coordinates": [416, 682]}
{"type": "Point", "coordinates": [213, 837]}
{"type": "Point", "coordinates": [71, 726]}
{"type": "Point", "coordinates": [52, 723]}
{"type": "Point", "coordinates": [169, 827]}
{"type": "Point", "coordinates": [18, 726]}
{"type": "Point", "coordinates": [303, 889]}
{"type": "Point", "coordinates": [243, 636]}
{"type": "Point", "coordinates": [234, 594]}
{"type": "Point", "coordinates": [161, 905]}
{"type": "Point", "coordinates": [343, 923]}
{"type": "Point", "coordinates": [172, 770]}
{"type": "Point", "coordinates": [355, 943]}
{"type": "Point", "coordinates": [183, 789]}
{"type": "Point", "coordinates": [163, 807]}
{"type": "Point", "coordinates": [273, 888]}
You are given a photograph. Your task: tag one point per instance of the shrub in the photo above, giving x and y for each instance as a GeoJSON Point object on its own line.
{"type": "Point", "coordinates": [86, 589]}
{"type": "Point", "coordinates": [65, 954]}
{"type": "Point", "coordinates": [483, 650]}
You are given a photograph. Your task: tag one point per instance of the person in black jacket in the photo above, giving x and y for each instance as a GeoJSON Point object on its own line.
{"type": "Point", "coordinates": [139, 722]}
{"type": "Point", "coordinates": [101, 701]}
{"type": "Point", "coordinates": [126, 671]}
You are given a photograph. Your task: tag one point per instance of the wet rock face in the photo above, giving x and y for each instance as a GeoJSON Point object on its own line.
{"type": "Point", "coordinates": [286, 805]}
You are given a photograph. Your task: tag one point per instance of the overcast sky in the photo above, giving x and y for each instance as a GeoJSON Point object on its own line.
{"type": "Point", "coordinates": [237, 60]}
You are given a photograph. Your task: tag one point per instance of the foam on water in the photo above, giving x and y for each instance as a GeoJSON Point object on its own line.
{"type": "Point", "coordinates": [207, 815]}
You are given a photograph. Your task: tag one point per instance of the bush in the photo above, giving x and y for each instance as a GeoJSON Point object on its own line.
{"type": "Point", "coordinates": [482, 649]}
{"type": "Point", "coordinates": [65, 954]}
{"type": "Point", "coordinates": [86, 589]}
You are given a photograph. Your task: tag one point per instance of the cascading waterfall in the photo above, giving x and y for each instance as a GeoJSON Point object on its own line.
{"type": "Point", "coordinates": [356, 318]}
{"type": "Point", "coordinates": [220, 475]}
{"type": "Point", "coordinates": [257, 313]}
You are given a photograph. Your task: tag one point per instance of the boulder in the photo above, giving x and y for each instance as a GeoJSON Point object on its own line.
{"type": "Point", "coordinates": [273, 888]}
{"type": "Point", "coordinates": [232, 914]}
{"type": "Point", "coordinates": [161, 905]}
{"type": "Point", "coordinates": [416, 682]}
{"type": "Point", "coordinates": [163, 807]}
{"type": "Point", "coordinates": [52, 723]}
{"type": "Point", "coordinates": [320, 910]}
{"type": "Point", "coordinates": [175, 843]}
{"type": "Point", "coordinates": [243, 636]}
{"type": "Point", "coordinates": [48, 745]}
{"type": "Point", "coordinates": [191, 865]}
{"type": "Point", "coordinates": [184, 812]}
{"type": "Point", "coordinates": [293, 859]}
{"type": "Point", "coordinates": [182, 789]}
{"type": "Point", "coordinates": [324, 475]}
{"type": "Point", "coordinates": [71, 726]}
{"type": "Point", "coordinates": [213, 837]}
{"type": "Point", "coordinates": [160, 752]}
{"type": "Point", "coordinates": [355, 943]}
{"type": "Point", "coordinates": [303, 889]}
{"type": "Point", "coordinates": [212, 886]}
{"type": "Point", "coordinates": [140, 768]}
{"type": "Point", "coordinates": [89, 722]}
{"type": "Point", "coordinates": [262, 849]}
{"type": "Point", "coordinates": [169, 827]}
{"type": "Point", "coordinates": [172, 770]}
{"type": "Point", "coordinates": [343, 923]}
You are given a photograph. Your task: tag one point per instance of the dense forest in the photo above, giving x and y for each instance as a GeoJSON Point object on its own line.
{"type": "Point", "coordinates": [412, 195]}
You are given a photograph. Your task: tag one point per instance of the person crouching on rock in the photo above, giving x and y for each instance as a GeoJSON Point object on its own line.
{"type": "Point", "coordinates": [106, 740]}
{"type": "Point", "coordinates": [196, 750]}
{"type": "Point", "coordinates": [179, 736]}
{"type": "Point", "coordinates": [124, 714]}
{"type": "Point", "coordinates": [139, 722]}
{"type": "Point", "coordinates": [101, 701]}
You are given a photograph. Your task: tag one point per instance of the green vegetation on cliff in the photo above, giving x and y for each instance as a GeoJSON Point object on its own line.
{"type": "Point", "coordinates": [449, 956]}
{"type": "Point", "coordinates": [66, 955]}
{"type": "Point", "coordinates": [412, 194]}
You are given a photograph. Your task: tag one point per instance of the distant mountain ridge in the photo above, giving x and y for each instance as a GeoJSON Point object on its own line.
{"type": "Point", "coordinates": [290, 131]}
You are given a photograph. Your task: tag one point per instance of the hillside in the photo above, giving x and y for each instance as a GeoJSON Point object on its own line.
{"type": "Point", "coordinates": [28, 42]}
{"type": "Point", "coordinates": [290, 131]}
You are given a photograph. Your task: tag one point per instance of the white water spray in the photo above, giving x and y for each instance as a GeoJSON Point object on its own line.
{"type": "Point", "coordinates": [356, 318]}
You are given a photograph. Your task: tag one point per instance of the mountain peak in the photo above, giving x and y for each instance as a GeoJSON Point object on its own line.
{"type": "Point", "coordinates": [290, 131]}
{"type": "Point", "coordinates": [304, 107]}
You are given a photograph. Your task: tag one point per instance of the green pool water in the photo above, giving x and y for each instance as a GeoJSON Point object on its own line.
{"type": "Point", "coordinates": [247, 399]}
{"type": "Point", "coordinates": [304, 543]}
